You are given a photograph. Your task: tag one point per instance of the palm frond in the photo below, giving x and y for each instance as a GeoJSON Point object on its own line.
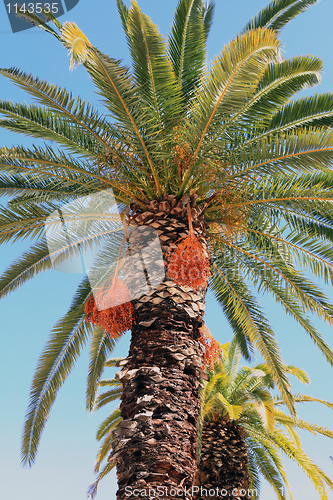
{"type": "Point", "coordinates": [296, 151]}
{"type": "Point", "coordinates": [224, 91]}
{"type": "Point", "coordinates": [254, 476]}
{"type": "Point", "coordinates": [233, 359]}
{"type": "Point", "coordinates": [279, 83]}
{"type": "Point", "coordinates": [70, 132]}
{"type": "Point", "coordinates": [92, 490]}
{"type": "Point", "coordinates": [22, 222]}
{"type": "Point", "coordinates": [120, 96]}
{"type": "Point", "coordinates": [315, 110]}
{"type": "Point", "coordinates": [307, 294]}
{"type": "Point", "coordinates": [298, 373]}
{"type": "Point", "coordinates": [38, 21]}
{"type": "Point", "coordinates": [208, 10]}
{"type": "Point", "coordinates": [246, 318]}
{"type": "Point", "coordinates": [282, 418]}
{"type": "Point", "coordinates": [31, 263]}
{"type": "Point", "coordinates": [262, 457]}
{"type": "Point", "coordinates": [278, 13]}
{"type": "Point", "coordinates": [107, 397]}
{"type": "Point", "coordinates": [108, 424]}
{"type": "Point", "coordinates": [72, 173]}
{"type": "Point", "coordinates": [224, 295]}
{"type": "Point", "coordinates": [101, 347]}
{"type": "Point", "coordinates": [67, 339]}
{"type": "Point", "coordinates": [187, 48]}
{"type": "Point", "coordinates": [315, 474]}
{"type": "Point", "coordinates": [23, 190]}
{"type": "Point", "coordinates": [157, 85]}
{"type": "Point", "coordinates": [303, 398]}
{"type": "Point", "coordinates": [105, 447]}
{"type": "Point", "coordinates": [294, 303]}
{"type": "Point", "coordinates": [63, 103]}
{"type": "Point", "coordinates": [123, 13]}
{"type": "Point", "coordinates": [112, 362]}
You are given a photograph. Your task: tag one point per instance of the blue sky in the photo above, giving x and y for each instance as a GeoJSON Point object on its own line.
{"type": "Point", "coordinates": [64, 466]}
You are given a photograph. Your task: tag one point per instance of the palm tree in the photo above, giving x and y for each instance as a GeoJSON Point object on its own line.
{"type": "Point", "coordinates": [243, 432]}
{"type": "Point", "coordinates": [217, 161]}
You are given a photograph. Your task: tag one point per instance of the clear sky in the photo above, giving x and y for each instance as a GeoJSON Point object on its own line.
{"type": "Point", "coordinates": [64, 466]}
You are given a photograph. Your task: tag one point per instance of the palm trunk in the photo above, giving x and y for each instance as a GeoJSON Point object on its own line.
{"type": "Point", "coordinates": [223, 462]}
{"type": "Point", "coordinates": [155, 444]}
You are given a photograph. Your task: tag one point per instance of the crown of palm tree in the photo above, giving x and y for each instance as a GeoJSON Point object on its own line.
{"type": "Point", "coordinates": [257, 161]}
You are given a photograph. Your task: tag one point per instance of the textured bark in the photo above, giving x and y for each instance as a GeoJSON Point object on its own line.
{"type": "Point", "coordinates": [155, 444]}
{"type": "Point", "coordinates": [224, 461]}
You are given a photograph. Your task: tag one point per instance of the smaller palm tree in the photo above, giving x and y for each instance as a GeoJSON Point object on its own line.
{"type": "Point", "coordinates": [243, 431]}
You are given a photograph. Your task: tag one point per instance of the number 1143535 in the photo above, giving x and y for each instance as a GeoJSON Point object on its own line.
{"type": "Point", "coordinates": [32, 8]}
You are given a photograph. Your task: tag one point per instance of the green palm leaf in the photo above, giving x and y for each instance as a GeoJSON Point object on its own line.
{"type": "Point", "coordinates": [301, 424]}
{"type": "Point", "coordinates": [298, 373]}
{"type": "Point", "coordinates": [107, 397]}
{"type": "Point", "coordinates": [63, 103]}
{"type": "Point", "coordinates": [262, 458]}
{"type": "Point", "coordinates": [108, 424]}
{"type": "Point", "coordinates": [278, 13]}
{"type": "Point", "coordinates": [318, 477]}
{"type": "Point", "coordinates": [123, 13]}
{"type": "Point", "coordinates": [312, 110]}
{"type": "Point", "coordinates": [105, 431]}
{"type": "Point", "coordinates": [55, 364]}
{"type": "Point", "coordinates": [302, 398]}
{"type": "Point", "coordinates": [208, 9]}
{"type": "Point", "coordinates": [40, 122]}
{"type": "Point", "coordinates": [152, 70]}
{"type": "Point", "coordinates": [23, 190]}
{"type": "Point", "coordinates": [254, 476]}
{"type": "Point", "coordinates": [224, 90]}
{"type": "Point", "coordinates": [58, 166]}
{"type": "Point", "coordinates": [92, 490]}
{"type": "Point", "coordinates": [187, 43]}
{"type": "Point", "coordinates": [119, 93]}
{"type": "Point", "coordinates": [278, 84]}
{"type": "Point", "coordinates": [246, 318]}
{"type": "Point", "coordinates": [22, 222]}
{"type": "Point", "coordinates": [303, 150]}
{"type": "Point", "coordinates": [31, 263]}
{"type": "Point", "coordinates": [101, 347]}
